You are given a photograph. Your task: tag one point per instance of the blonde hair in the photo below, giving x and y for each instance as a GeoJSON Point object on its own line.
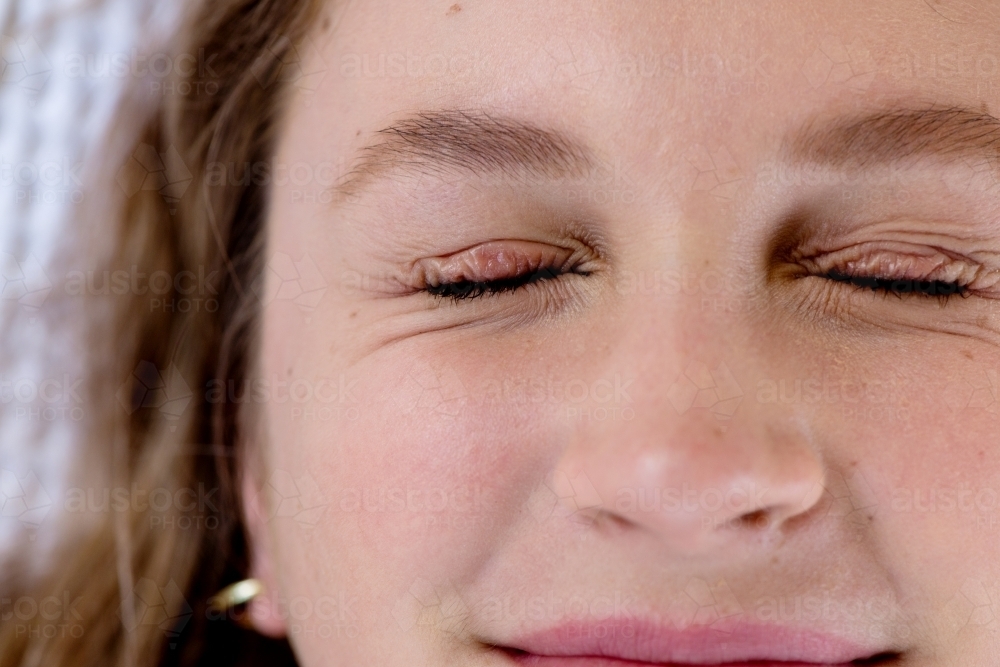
{"type": "Point", "coordinates": [232, 120]}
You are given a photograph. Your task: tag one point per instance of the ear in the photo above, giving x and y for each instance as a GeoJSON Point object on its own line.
{"type": "Point", "coordinates": [263, 612]}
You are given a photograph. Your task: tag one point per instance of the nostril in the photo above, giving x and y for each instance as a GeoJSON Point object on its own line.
{"type": "Point", "coordinates": [613, 521]}
{"type": "Point", "coordinates": [758, 519]}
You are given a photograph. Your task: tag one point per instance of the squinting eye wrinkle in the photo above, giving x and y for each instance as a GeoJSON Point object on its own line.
{"type": "Point", "coordinates": [471, 142]}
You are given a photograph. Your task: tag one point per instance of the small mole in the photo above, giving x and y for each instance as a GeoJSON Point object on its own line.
{"type": "Point", "coordinates": [289, 371]}
{"type": "Point", "coordinates": [354, 314]}
{"type": "Point", "coordinates": [358, 133]}
{"type": "Point", "coordinates": [454, 9]}
{"type": "Point", "coordinates": [326, 24]}
{"type": "Point", "coordinates": [967, 354]}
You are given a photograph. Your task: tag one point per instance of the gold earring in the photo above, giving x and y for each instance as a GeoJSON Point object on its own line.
{"type": "Point", "coordinates": [236, 594]}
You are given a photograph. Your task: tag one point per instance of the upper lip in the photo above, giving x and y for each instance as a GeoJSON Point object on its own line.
{"type": "Point", "coordinates": [723, 642]}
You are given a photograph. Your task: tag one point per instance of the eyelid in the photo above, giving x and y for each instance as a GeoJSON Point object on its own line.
{"type": "Point", "coordinates": [902, 261]}
{"type": "Point", "coordinates": [494, 260]}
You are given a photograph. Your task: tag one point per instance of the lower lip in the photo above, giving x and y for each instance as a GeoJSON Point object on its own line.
{"type": "Point", "coordinates": [582, 661]}
{"type": "Point", "coordinates": [637, 644]}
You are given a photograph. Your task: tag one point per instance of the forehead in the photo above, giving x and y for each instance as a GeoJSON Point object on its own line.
{"type": "Point", "coordinates": [642, 82]}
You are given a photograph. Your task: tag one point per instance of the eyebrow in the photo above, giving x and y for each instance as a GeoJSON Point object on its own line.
{"type": "Point", "coordinates": [470, 142]}
{"type": "Point", "coordinates": [897, 135]}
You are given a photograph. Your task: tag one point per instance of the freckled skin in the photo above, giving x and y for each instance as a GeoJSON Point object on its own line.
{"type": "Point", "coordinates": [463, 461]}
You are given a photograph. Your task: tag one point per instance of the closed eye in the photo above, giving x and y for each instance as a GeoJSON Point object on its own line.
{"type": "Point", "coordinates": [472, 289]}
{"type": "Point", "coordinates": [901, 287]}
{"type": "Point", "coordinates": [500, 267]}
{"type": "Point", "coordinates": [907, 270]}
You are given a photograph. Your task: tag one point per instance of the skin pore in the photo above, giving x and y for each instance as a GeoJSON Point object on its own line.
{"type": "Point", "coordinates": [654, 330]}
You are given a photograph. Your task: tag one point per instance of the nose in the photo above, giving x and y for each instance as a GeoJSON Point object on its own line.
{"type": "Point", "coordinates": [697, 464]}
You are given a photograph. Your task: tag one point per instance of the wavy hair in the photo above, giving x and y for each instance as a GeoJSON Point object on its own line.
{"type": "Point", "coordinates": [143, 590]}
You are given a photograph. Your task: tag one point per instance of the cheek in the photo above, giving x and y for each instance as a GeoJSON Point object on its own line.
{"type": "Point", "coordinates": [919, 446]}
{"type": "Point", "coordinates": [422, 459]}
{"type": "Point", "coordinates": [438, 461]}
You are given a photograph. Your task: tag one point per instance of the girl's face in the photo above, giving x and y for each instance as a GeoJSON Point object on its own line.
{"type": "Point", "coordinates": [665, 332]}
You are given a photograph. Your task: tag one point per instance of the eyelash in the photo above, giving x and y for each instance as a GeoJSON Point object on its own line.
{"type": "Point", "coordinates": [467, 290]}
{"type": "Point", "coordinates": [900, 287]}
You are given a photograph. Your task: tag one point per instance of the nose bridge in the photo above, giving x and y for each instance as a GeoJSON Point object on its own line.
{"type": "Point", "coordinates": [692, 454]}
{"type": "Point", "coordinates": [680, 364]}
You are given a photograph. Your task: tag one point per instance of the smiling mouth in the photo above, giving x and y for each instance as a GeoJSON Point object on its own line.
{"type": "Point", "coordinates": [598, 661]}
{"type": "Point", "coordinates": [634, 643]}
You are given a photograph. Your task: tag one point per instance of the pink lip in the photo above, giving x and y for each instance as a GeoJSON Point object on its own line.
{"type": "Point", "coordinates": [624, 642]}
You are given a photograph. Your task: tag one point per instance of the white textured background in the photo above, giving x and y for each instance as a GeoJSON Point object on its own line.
{"type": "Point", "coordinates": [57, 122]}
